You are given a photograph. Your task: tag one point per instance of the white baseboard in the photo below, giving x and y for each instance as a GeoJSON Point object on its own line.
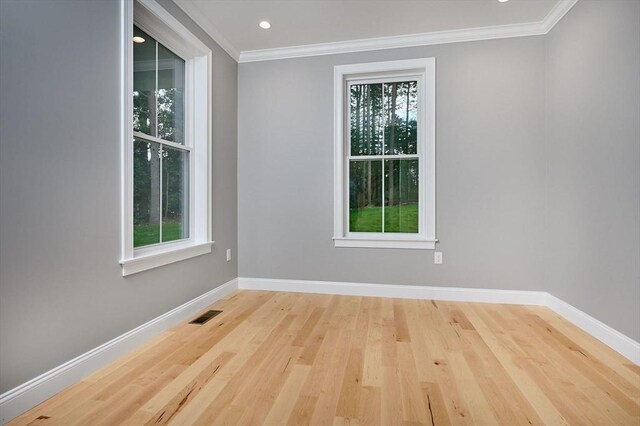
{"type": "Point", "coordinates": [456, 294]}
{"type": "Point", "coordinates": [617, 341]}
{"type": "Point", "coordinates": [29, 394]}
{"type": "Point", "coordinates": [33, 392]}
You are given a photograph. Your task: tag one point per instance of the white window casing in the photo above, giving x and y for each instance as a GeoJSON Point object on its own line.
{"type": "Point", "coordinates": [157, 22]}
{"type": "Point", "coordinates": [423, 70]}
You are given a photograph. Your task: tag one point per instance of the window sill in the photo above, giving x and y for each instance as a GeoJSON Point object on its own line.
{"type": "Point", "coordinates": [165, 257]}
{"type": "Point", "coordinates": [385, 243]}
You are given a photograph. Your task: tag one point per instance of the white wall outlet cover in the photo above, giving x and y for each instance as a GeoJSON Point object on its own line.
{"type": "Point", "coordinates": [437, 258]}
{"type": "Point", "coordinates": [228, 255]}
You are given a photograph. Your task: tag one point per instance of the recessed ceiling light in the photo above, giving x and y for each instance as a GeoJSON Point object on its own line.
{"type": "Point", "coordinates": [265, 25]}
{"type": "Point", "coordinates": [503, 1]}
{"type": "Point", "coordinates": [138, 39]}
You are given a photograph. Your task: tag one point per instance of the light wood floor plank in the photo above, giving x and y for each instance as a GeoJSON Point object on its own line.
{"type": "Point", "coordinates": [289, 358]}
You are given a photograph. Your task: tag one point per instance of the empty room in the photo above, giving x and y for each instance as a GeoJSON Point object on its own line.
{"type": "Point", "coordinates": [320, 212]}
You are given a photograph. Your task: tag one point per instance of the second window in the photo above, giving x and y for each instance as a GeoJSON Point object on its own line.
{"type": "Point", "coordinates": [383, 160]}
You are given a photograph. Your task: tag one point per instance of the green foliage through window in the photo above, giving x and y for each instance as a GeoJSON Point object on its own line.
{"type": "Point", "coordinates": [383, 191]}
{"type": "Point", "coordinates": [160, 171]}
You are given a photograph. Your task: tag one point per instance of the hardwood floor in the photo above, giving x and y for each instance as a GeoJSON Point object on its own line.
{"type": "Point", "coordinates": [285, 358]}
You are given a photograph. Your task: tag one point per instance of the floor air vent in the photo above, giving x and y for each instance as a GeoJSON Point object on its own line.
{"type": "Point", "coordinates": [205, 317]}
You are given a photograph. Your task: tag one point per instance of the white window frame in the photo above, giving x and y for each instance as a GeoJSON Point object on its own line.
{"type": "Point", "coordinates": [424, 71]}
{"type": "Point", "coordinates": [161, 25]}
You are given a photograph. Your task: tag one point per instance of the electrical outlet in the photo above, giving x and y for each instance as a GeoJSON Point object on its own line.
{"type": "Point", "coordinates": [228, 255]}
{"type": "Point", "coordinates": [437, 258]}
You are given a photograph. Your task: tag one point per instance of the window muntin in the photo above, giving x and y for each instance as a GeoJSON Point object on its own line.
{"type": "Point", "coordinates": [161, 161]}
{"type": "Point", "coordinates": [383, 172]}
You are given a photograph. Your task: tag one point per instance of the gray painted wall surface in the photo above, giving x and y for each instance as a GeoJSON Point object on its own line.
{"type": "Point", "coordinates": [62, 291]}
{"type": "Point", "coordinates": [490, 203]}
{"type": "Point", "coordinates": [538, 177]}
{"type": "Point", "coordinates": [526, 199]}
{"type": "Point", "coordinates": [593, 106]}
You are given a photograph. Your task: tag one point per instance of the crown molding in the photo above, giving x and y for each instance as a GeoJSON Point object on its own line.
{"type": "Point", "coordinates": [394, 42]}
{"type": "Point", "coordinates": [379, 43]}
{"type": "Point", "coordinates": [555, 15]}
{"type": "Point", "coordinates": [193, 11]}
{"type": "Point", "coordinates": [413, 40]}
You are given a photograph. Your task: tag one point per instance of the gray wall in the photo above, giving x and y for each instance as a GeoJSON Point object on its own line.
{"type": "Point", "coordinates": [526, 199]}
{"type": "Point", "coordinates": [537, 167]}
{"type": "Point", "coordinates": [61, 288]}
{"type": "Point", "coordinates": [490, 198]}
{"type": "Point", "coordinates": [593, 118]}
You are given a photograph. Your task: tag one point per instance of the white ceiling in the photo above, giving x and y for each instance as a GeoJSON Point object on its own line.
{"type": "Point", "coordinates": [304, 22]}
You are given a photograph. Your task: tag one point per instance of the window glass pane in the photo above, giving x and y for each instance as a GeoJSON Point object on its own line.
{"type": "Point", "coordinates": [146, 193]}
{"type": "Point", "coordinates": [401, 114]}
{"type": "Point", "coordinates": [175, 194]}
{"type": "Point", "coordinates": [170, 95]}
{"type": "Point", "coordinates": [365, 196]}
{"type": "Point", "coordinates": [144, 83]}
{"type": "Point", "coordinates": [366, 119]}
{"type": "Point", "coordinates": [401, 196]}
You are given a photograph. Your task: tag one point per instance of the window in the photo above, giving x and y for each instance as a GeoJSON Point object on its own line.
{"type": "Point", "coordinates": [385, 155]}
{"type": "Point", "coordinates": [160, 157]}
{"type": "Point", "coordinates": [166, 140]}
